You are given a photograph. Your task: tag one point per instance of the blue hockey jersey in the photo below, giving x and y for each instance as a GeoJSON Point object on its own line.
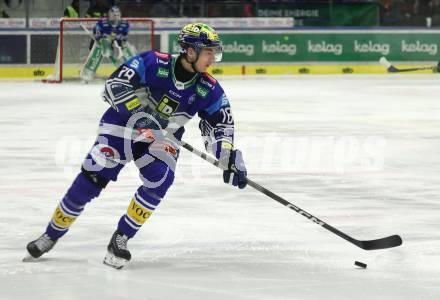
{"type": "Point", "coordinates": [146, 86]}
{"type": "Point", "coordinates": [104, 28]}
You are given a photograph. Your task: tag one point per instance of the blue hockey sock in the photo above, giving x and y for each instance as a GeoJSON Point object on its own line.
{"type": "Point", "coordinates": [70, 207]}
{"type": "Point", "coordinates": [140, 209]}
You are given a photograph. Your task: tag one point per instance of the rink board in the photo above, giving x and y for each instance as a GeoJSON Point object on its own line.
{"type": "Point", "coordinates": [41, 72]}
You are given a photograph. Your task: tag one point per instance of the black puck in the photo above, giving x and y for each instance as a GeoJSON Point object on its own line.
{"type": "Point", "coordinates": [360, 264]}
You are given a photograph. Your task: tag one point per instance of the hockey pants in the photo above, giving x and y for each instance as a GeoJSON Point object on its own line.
{"type": "Point", "coordinates": [155, 159]}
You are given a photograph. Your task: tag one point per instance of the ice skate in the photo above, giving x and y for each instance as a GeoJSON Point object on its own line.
{"type": "Point", "coordinates": [38, 247]}
{"type": "Point", "coordinates": [117, 254]}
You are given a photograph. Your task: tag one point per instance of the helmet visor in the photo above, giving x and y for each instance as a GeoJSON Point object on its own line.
{"type": "Point", "coordinates": [218, 54]}
{"type": "Point", "coordinates": [216, 51]}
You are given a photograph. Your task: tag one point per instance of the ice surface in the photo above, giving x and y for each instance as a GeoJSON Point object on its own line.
{"type": "Point", "coordinates": [360, 152]}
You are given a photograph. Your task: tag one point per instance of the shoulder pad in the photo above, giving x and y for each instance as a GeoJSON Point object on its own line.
{"type": "Point", "coordinates": [162, 55]}
{"type": "Point", "coordinates": [210, 78]}
{"type": "Point", "coordinates": [154, 64]}
{"type": "Point", "coordinates": [149, 54]}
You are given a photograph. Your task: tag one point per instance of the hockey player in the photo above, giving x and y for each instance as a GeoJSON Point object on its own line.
{"type": "Point", "coordinates": [152, 96]}
{"type": "Point", "coordinates": [110, 36]}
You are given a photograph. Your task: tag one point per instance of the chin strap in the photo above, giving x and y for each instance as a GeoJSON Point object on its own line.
{"type": "Point", "coordinates": [193, 64]}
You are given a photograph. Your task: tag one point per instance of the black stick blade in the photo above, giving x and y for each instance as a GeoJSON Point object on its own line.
{"type": "Point", "coordinates": [384, 243]}
{"type": "Point", "coordinates": [393, 69]}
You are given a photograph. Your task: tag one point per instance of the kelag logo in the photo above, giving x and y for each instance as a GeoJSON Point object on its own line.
{"type": "Point", "coordinates": [371, 47]}
{"type": "Point", "coordinates": [419, 47]}
{"type": "Point", "coordinates": [239, 48]}
{"type": "Point", "coordinates": [324, 47]}
{"type": "Point", "coordinates": [278, 47]}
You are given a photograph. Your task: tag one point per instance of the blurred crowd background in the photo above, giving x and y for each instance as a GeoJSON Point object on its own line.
{"type": "Point", "coordinates": [424, 13]}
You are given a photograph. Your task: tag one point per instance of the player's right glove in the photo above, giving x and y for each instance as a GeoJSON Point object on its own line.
{"type": "Point", "coordinates": [437, 69]}
{"type": "Point", "coordinates": [234, 169]}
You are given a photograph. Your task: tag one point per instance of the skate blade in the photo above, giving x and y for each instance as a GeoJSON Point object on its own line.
{"type": "Point", "coordinates": [114, 261]}
{"type": "Point", "coordinates": [29, 258]}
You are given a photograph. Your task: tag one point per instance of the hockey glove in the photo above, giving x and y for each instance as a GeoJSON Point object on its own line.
{"type": "Point", "coordinates": [437, 69]}
{"type": "Point", "coordinates": [234, 168]}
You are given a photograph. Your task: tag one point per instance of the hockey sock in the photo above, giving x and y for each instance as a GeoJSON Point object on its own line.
{"type": "Point", "coordinates": [70, 207]}
{"type": "Point", "coordinates": [141, 207]}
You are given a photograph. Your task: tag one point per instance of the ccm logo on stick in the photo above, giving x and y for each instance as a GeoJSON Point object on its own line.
{"type": "Point", "coordinates": [297, 209]}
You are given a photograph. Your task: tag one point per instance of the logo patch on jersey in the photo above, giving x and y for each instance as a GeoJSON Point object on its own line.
{"type": "Point", "coordinates": [201, 91]}
{"type": "Point", "coordinates": [167, 106]}
{"type": "Point", "coordinates": [134, 64]}
{"type": "Point", "coordinates": [175, 94]}
{"type": "Point", "coordinates": [130, 105]}
{"type": "Point", "coordinates": [224, 100]}
{"type": "Point", "coordinates": [161, 146]}
{"type": "Point", "coordinates": [162, 72]}
{"type": "Point", "coordinates": [207, 83]}
{"type": "Point", "coordinates": [105, 155]}
{"type": "Point", "coordinates": [146, 132]}
{"type": "Point", "coordinates": [163, 62]}
{"type": "Point", "coordinates": [179, 85]}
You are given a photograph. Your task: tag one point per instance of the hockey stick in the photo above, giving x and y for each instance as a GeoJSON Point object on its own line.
{"type": "Point", "coordinates": [88, 32]}
{"type": "Point", "coordinates": [383, 243]}
{"type": "Point", "coordinates": [392, 69]}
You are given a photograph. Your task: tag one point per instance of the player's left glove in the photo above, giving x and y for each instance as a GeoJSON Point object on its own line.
{"type": "Point", "coordinates": [437, 69]}
{"type": "Point", "coordinates": [234, 168]}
